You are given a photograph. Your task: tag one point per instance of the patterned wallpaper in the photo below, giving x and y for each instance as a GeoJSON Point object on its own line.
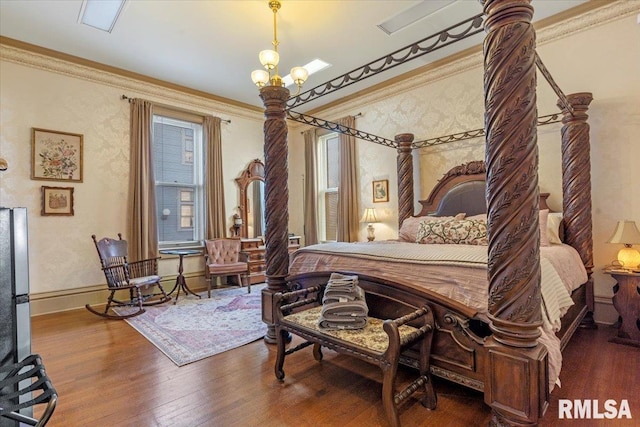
{"type": "Point", "coordinates": [43, 93]}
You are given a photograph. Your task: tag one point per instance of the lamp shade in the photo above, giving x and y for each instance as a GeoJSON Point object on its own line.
{"type": "Point", "coordinates": [269, 58]}
{"type": "Point", "coordinates": [299, 75]}
{"type": "Point", "coordinates": [260, 77]}
{"type": "Point", "coordinates": [626, 232]}
{"type": "Point", "coordinates": [369, 215]}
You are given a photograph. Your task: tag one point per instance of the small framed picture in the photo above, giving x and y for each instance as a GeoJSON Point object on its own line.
{"type": "Point", "coordinates": [381, 191]}
{"type": "Point", "coordinates": [57, 201]}
{"type": "Point", "coordinates": [56, 156]}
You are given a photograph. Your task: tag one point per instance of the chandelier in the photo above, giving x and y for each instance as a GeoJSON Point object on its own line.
{"type": "Point", "coordinates": [270, 58]}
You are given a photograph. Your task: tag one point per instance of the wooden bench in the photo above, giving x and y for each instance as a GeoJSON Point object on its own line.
{"type": "Point", "coordinates": [381, 342]}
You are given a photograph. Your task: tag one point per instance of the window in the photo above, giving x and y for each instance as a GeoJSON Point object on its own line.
{"type": "Point", "coordinates": [328, 179]}
{"type": "Point", "coordinates": [179, 173]}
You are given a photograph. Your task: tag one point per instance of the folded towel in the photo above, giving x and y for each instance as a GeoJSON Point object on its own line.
{"type": "Point", "coordinates": [346, 323]}
{"type": "Point", "coordinates": [340, 295]}
{"type": "Point", "coordinates": [337, 278]}
{"type": "Point", "coordinates": [341, 310]}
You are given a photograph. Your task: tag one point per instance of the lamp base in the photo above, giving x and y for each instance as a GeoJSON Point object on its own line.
{"type": "Point", "coordinates": [629, 257]}
{"type": "Point", "coordinates": [370, 233]}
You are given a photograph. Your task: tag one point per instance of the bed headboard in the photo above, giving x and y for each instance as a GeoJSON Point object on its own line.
{"type": "Point", "coordinates": [462, 189]}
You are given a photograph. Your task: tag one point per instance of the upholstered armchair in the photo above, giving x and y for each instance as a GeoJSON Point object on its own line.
{"type": "Point", "coordinates": [223, 258]}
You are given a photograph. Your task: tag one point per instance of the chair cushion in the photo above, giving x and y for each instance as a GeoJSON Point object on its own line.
{"type": "Point", "coordinates": [230, 268]}
{"type": "Point", "coordinates": [139, 281]}
{"type": "Point", "coordinates": [146, 280]}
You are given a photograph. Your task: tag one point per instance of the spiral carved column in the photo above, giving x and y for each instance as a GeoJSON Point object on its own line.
{"type": "Point", "coordinates": [576, 186]}
{"type": "Point", "coordinates": [576, 177]}
{"type": "Point", "coordinates": [513, 203]}
{"type": "Point", "coordinates": [405, 176]}
{"type": "Point", "coordinates": [276, 200]}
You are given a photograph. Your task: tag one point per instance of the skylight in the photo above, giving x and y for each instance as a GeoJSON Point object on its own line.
{"type": "Point", "coordinates": [312, 67]}
{"type": "Point", "coordinates": [413, 14]}
{"type": "Point", "coordinates": [101, 14]}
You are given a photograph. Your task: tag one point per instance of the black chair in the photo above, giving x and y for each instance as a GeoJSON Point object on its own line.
{"type": "Point", "coordinates": [24, 385]}
{"type": "Point", "coordinates": [123, 275]}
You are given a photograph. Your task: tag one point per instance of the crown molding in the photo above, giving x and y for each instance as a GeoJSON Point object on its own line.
{"type": "Point", "coordinates": [135, 85]}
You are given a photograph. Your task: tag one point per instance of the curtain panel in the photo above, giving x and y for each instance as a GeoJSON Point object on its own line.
{"type": "Point", "coordinates": [348, 188]}
{"type": "Point", "coordinates": [216, 224]}
{"type": "Point", "coordinates": [142, 227]}
{"type": "Point", "coordinates": [310, 187]}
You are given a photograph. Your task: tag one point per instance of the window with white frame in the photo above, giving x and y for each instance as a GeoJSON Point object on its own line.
{"type": "Point", "coordinates": [179, 173]}
{"type": "Point", "coordinates": [328, 178]}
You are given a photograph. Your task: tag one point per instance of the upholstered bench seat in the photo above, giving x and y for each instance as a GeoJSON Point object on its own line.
{"type": "Point", "coordinates": [371, 337]}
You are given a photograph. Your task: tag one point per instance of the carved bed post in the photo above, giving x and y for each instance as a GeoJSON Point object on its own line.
{"type": "Point", "coordinates": [576, 186]}
{"type": "Point", "coordinates": [276, 200]}
{"type": "Point", "coordinates": [515, 357]}
{"type": "Point", "coordinates": [405, 176]}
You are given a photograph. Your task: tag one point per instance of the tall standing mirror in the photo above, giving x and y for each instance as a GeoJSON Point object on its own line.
{"type": "Point", "coordinates": [251, 184]}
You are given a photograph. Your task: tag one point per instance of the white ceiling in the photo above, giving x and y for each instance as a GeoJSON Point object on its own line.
{"type": "Point", "coordinates": [212, 46]}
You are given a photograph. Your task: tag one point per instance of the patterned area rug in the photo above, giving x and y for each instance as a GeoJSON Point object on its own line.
{"type": "Point", "coordinates": [194, 329]}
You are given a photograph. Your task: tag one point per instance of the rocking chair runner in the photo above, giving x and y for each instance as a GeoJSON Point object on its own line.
{"type": "Point", "coordinates": [123, 275]}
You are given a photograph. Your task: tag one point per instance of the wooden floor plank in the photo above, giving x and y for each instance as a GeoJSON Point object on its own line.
{"type": "Point", "coordinates": [107, 374]}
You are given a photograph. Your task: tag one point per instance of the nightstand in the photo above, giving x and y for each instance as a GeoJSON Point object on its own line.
{"type": "Point", "coordinates": [626, 300]}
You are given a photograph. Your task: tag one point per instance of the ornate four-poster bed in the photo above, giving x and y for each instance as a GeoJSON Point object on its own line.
{"type": "Point", "coordinates": [497, 351]}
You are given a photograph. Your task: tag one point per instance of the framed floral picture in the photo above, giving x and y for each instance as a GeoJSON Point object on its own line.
{"type": "Point", "coordinates": [57, 201]}
{"type": "Point", "coordinates": [56, 156]}
{"type": "Point", "coordinates": [381, 191]}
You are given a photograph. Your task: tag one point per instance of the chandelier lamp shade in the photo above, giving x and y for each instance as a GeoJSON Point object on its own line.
{"type": "Point", "coordinates": [270, 58]}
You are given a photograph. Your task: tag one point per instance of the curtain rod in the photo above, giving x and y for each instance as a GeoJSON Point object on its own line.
{"type": "Point", "coordinates": [168, 106]}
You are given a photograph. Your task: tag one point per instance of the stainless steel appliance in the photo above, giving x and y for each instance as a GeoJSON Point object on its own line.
{"type": "Point", "coordinates": [15, 321]}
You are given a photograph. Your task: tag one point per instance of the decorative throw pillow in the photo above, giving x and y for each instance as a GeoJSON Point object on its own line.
{"type": "Point", "coordinates": [409, 229]}
{"type": "Point", "coordinates": [479, 217]}
{"type": "Point", "coordinates": [549, 223]}
{"type": "Point", "coordinates": [461, 232]}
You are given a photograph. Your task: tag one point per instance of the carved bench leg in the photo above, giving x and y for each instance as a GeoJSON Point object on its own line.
{"type": "Point", "coordinates": [389, 370]}
{"type": "Point", "coordinates": [317, 352]}
{"type": "Point", "coordinates": [281, 338]}
{"type": "Point", "coordinates": [430, 399]}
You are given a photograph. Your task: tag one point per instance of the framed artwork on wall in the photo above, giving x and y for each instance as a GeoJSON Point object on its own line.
{"type": "Point", "coordinates": [381, 191]}
{"type": "Point", "coordinates": [56, 156]}
{"type": "Point", "coordinates": [57, 201]}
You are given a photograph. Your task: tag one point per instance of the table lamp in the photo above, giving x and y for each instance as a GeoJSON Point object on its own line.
{"type": "Point", "coordinates": [627, 233]}
{"type": "Point", "coordinates": [370, 217]}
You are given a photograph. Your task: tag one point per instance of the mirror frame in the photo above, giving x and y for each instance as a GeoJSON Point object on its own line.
{"type": "Point", "coordinates": [253, 172]}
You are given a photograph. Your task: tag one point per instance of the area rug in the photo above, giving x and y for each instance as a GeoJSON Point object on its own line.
{"type": "Point", "coordinates": [194, 329]}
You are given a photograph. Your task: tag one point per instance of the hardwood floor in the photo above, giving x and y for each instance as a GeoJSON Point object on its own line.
{"type": "Point", "coordinates": [107, 374]}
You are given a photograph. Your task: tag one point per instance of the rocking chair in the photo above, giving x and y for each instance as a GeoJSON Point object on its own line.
{"type": "Point", "coordinates": [124, 275]}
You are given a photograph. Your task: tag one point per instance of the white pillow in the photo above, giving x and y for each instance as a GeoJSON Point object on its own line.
{"type": "Point", "coordinates": [554, 220]}
{"type": "Point", "coordinates": [544, 224]}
